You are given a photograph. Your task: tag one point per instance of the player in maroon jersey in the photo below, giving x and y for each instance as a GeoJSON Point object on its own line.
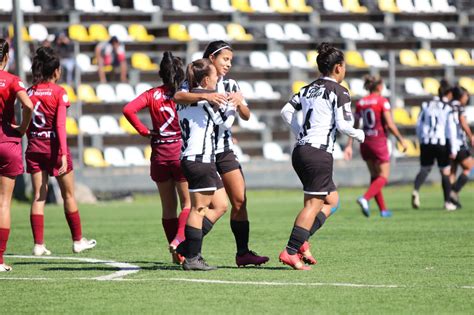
{"type": "Point", "coordinates": [374, 110]}
{"type": "Point", "coordinates": [166, 143]}
{"type": "Point", "coordinates": [47, 153]}
{"type": "Point", "coordinates": [11, 162]}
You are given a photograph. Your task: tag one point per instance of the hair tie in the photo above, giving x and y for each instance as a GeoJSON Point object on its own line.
{"type": "Point", "coordinates": [219, 49]}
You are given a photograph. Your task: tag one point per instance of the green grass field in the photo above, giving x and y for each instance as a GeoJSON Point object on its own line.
{"type": "Point", "coordinates": [420, 261]}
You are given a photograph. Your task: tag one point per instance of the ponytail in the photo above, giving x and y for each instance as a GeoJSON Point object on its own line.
{"type": "Point", "coordinates": [45, 62]}
{"type": "Point", "coordinates": [197, 70]}
{"type": "Point", "coordinates": [4, 48]}
{"type": "Point", "coordinates": [171, 71]}
{"type": "Point", "coordinates": [444, 88]}
{"type": "Point", "coordinates": [372, 82]}
{"type": "Point", "coordinates": [458, 92]}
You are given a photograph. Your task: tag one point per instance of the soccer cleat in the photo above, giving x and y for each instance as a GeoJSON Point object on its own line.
{"type": "Point", "coordinates": [293, 261]}
{"type": "Point", "coordinates": [174, 244]}
{"type": "Point", "coordinates": [364, 205]}
{"type": "Point", "coordinates": [385, 213]}
{"type": "Point", "coordinates": [177, 258]}
{"type": "Point", "coordinates": [41, 250]}
{"type": "Point", "coordinates": [449, 206]}
{"type": "Point", "coordinates": [415, 200]}
{"type": "Point", "coordinates": [197, 263]}
{"type": "Point", "coordinates": [82, 245]}
{"type": "Point", "coordinates": [454, 198]}
{"type": "Point", "coordinates": [250, 258]}
{"type": "Point", "coordinates": [306, 255]}
{"type": "Point", "coordinates": [5, 268]}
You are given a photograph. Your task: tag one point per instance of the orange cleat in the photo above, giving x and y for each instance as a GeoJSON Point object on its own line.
{"type": "Point", "coordinates": [306, 255]}
{"type": "Point", "coordinates": [293, 261]}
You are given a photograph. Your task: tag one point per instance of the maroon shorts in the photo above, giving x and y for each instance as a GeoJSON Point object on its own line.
{"type": "Point", "coordinates": [162, 171]}
{"type": "Point", "coordinates": [37, 162]}
{"type": "Point", "coordinates": [11, 163]}
{"type": "Point", "coordinates": [375, 151]}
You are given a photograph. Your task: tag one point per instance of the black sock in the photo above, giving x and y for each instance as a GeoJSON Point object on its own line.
{"type": "Point", "coordinates": [241, 234]}
{"type": "Point", "coordinates": [193, 241]}
{"type": "Point", "coordinates": [421, 177]}
{"type": "Point", "coordinates": [446, 184]}
{"type": "Point", "coordinates": [206, 226]}
{"type": "Point", "coordinates": [298, 236]}
{"type": "Point", "coordinates": [460, 182]}
{"type": "Point", "coordinates": [318, 222]}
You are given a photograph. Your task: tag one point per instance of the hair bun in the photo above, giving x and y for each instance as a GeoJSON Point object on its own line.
{"type": "Point", "coordinates": [324, 48]}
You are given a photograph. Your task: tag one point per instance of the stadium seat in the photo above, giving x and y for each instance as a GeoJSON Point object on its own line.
{"type": "Point", "coordinates": [388, 6]}
{"type": "Point", "coordinates": [24, 33]}
{"type": "Point", "coordinates": [258, 59]}
{"type": "Point", "coordinates": [261, 6]}
{"type": "Point", "coordinates": [106, 6]}
{"type": "Point", "coordinates": [139, 33]}
{"type": "Point", "coordinates": [401, 117]}
{"type": "Point", "coordinates": [26, 64]}
{"type": "Point", "coordinates": [273, 151]}
{"type": "Point", "coordinates": [98, 32]}
{"type": "Point", "coordinates": [79, 33]}
{"type": "Point", "coordinates": [264, 90]}
{"type": "Point", "coordinates": [414, 113]}
{"type": "Point", "coordinates": [142, 87]}
{"type": "Point", "coordinates": [196, 55]}
{"type": "Point", "coordinates": [442, 6]}
{"type": "Point", "coordinates": [145, 6]}
{"type": "Point", "coordinates": [409, 58]}
{"type": "Point", "coordinates": [312, 55]}
{"type": "Point", "coordinates": [70, 93]}
{"type": "Point", "coordinates": [462, 57]}
{"type": "Point", "coordinates": [467, 83]}
{"type": "Point", "coordinates": [29, 6]}
{"type": "Point", "coordinates": [84, 5]}
{"type": "Point", "coordinates": [278, 60]}
{"type": "Point", "coordinates": [126, 126]}
{"type": "Point", "coordinates": [86, 94]}
{"type": "Point", "coordinates": [106, 93]}
{"type": "Point", "coordinates": [439, 30]}
{"type": "Point", "coordinates": [242, 6]}
{"type": "Point", "coordinates": [93, 157]}
{"type": "Point", "coordinates": [346, 85]}
{"type": "Point", "coordinates": [198, 31]}
{"type": "Point", "coordinates": [406, 6]}
{"type": "Point", "coordinates": [178, 32]}
{"type": "Point", "coordinates": [280, 6]}
{"type": "Point", "coordinates": [372, 58]}
{"type": "Point", "coordinates": [275, 31]}
{"type": "Point", "coordinates": [217, 31]}
{"type": "Point", "coordinates": [354, 59]}
{"type": "Point", "coordinates": [357, 87]}
{"type": "Point", "coordinates": [367, 31]}
{"type": "Point", "coordinates": [423, 6]}
{"type": "Point", "coordinates": [241, 157]}
{"type": "Point", "coordinates": [298, 59]}
{"type": "Point", "coordinates": [297, 86]}
{"type": "Point", "coordinates": [300, 6]}
{"type": "Point", "coordinates": [413, 86]}
{"type": "Point", "coordinates": [252, 123]}
{"type": "Point", "coordinates": [221, 6]}
{"type": "Point", "coordinates": [109, 125]}
{"type": "Point", "coordinates": [142, 61]}
{"type": "Point", "coordinates": [237, 32]}
{"type": "Point", "coordinates": [334, 6]}
{"type": "Point", "coordinates": [71, 126]}
{"type": "Point", "coordinates": [88, 125]}
{"type": "Point", "coordinates": [119, 31]}
{"type": "Point", "coordinates": [134, 156]}
{"type": "Point", "coordinates": [84, 63]}
{"type": "Point", "coordinates": [431, 85]}
{"type": "Point", "coordinates": [421, 30]}
{"type": "Point", "coordinates": [354, 6]}
{"type": "Point", "coordinates": [247, 90]}
{"type": "Point", "coordinates": [426, 58]}
{"type": "Point", "coordinates": [294, 31]}
{"type": "Point", "coordinates": [349, 31]}
{"type": "Point", "coordinates": [147, 152]}
{"type": "Point", "coordinates": [413, 148]}
{"type": "Point", "coordinates": [337, 152]}
{"type": "Point", "coordinates": [444, 57]}
{"type": "Point", "coordinates": [114, 157]}
{"type": "Point", "coordinates": [124, 92]}
{"type": "Point", "coordinates": [7, 6]}
{"type": "Point", "coordinates": [184, 6]}
{"type": "Point", "coordinates": [38, 32]}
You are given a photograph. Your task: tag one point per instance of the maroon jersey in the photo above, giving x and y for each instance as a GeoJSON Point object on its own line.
{"type": "Point", "coordinates": [166, 144]}
{"type": "Point", "coordinates": [10, 85]}
{"type": "Point", "coordinates": [371, 109]}
{"type": "Point", "coordinates": [47, 132]}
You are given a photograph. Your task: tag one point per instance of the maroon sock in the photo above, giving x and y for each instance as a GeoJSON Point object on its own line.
{"type": "Point", "coordinates": [380, 201]}
{"type": "Point", "coordinates": [171, 228]}
{"type": "Point", "coordinates": [74, 221]}
{"type": "Point", "coordinates": [3, 242]}
{"type": "Point", "coordinates": [183, 217]}
{"type": "Point", "coordinates": [37, 227]}
{"type": "Point", "coordinates": [375, 187]}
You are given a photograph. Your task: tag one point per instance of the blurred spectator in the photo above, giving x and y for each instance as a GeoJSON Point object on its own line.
{"type": "Point", "coordinates": [48, 5]}
{"type": "Point", "coordinates": [65, 50]}
{"type": "Point", "coordinates": [111, 53]}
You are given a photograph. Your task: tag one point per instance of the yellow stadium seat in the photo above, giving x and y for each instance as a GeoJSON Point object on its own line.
{"type": "Point", "coordinates": [24, 33]}
{"type": "Point", "coordinates": [237, 32]}
{"type": "Point", "coordinates": [242, 6]}
{"type": "Point", "coordinates": [98, 32]}
{"type": "Point", "coordinates": [126, 126]}
{"type": "Point", "coordinates": [408, 58]}
{"type": "Point", "coordinates": [413, 148]}
{"type": "Point", "coordinates": [79, 32]}
{"type": "Point", "coordinates": [280, 6]}
{"type": "Point", "coordinates": [86, 94]}
{"type": "Point", "coordinates": [401, 117]}
{"type": "Point", "coordinates": [70, 93]}
{"type": "Point", "coordinates": [147, 152]}
{"type": "Point", "coordinates": [346, 85]}
{"type": "Point", "coordinates": [354, 59]}
{"type": "Point", "coordinates": [139, 33]}
{"type": "Point", "coordinates": [354, 6]}
{"type": "Point", "coordinates": [462, 57]}
{"type": "Point", "coordinates": [427, 58]}
{"type": "Point", "coordinates": [300, 6]}
{"type": "Point", "coordinates": [142, 62]}
{"type": "Point", "coordinates": [312, 55]}
{"type": "Point", "coordinates": [467, 83]}
{"type": "Point", "coordinates": [388, 6]}
{"type": "Point", "coordinates": [93, 157]}
{"type": "Point", "coordinates": [297, 85]}
{"type": "Point", "coordinates": [178, 32]}
{"type": "Point", "coordinates": [431, 85]}
{"type": "Point", "coordinates": [414, 113]}
{"type": "Point", "coordinates": [71, 126]}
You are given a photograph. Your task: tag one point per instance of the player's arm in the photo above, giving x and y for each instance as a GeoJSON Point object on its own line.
{"type": "Point", "coordinates": [61, 132]}
{"type": "Point", "coordinates": [387, 116]}
{"type": "Point", "coordinates": [345, 121]}
{"type": "Point", "coordinates": [466, 128]}
{"type": "Point", "coordinates": [451, 133]}
{"type": "Point", "coordinates": [288, 113]}
{"type": "Point", "coordinates": [186, 97]}
{"type": "Point", "coordinates": [241, 106]}
{"type": "Point", "coordinates": [130, 112]}
{"type": "Point", "coordinates": [27, 111]}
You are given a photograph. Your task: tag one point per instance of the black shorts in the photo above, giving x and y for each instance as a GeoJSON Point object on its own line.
{"type": "Point", "coordinates": [431, 152]}
{"type": "Point", "coordinates": [463, 154]}
{"type": "Point", "coordinates": [201, 176]}
{"type": "Point", "coordinates": [227, 162]}
{"type": "Point", "coordinates": [314, 168]}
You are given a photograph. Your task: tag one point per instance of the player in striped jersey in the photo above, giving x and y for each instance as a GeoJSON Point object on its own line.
{"type": "Point", "coordinates": [232, 102]}
{"type": "Point", "coordinates": [326, 107]}
{"type": "Point", "coordinates": [460, 144]}
{"type": "Point", "coordinates": [434, 131]}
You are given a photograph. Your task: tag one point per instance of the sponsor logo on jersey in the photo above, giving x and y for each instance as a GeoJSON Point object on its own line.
{"type": "Point", "coordinates": [21, 84]}
{"type": "Point", "coordinates": [157, 95]}
{"type": "Point", "coordinates": [65, 98]}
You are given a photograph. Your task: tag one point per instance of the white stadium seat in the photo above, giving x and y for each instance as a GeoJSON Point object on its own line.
{"type": "Point", "coordinates": [142, 87]}
{"type": "Point", "coordinates": [261, 6]}
{"type": "Point", "coordinates": [252, 123]}
{"type": "Point", "coordinates": [414, 86]}
{"type": "Point", "coordinates": [372, 58]}
{"type": "Point", "coordinates": [105, 92]}
{"type": "Point", "coordinates": [294, 31]}
{"type": "Point", "coordinates": [134, 156]}
{"type": "Point", "coordinates": [273, 151]}
{"type": "Point", "coordinates": [38, 32]}
{"type": "Point", "coordinates": [406, 6]}
{"type": "Point", "coordinates": [421, 30]}
{"type": "Point", "coordinates": [7, 5]}
{"type": "Point", "coordinates": [198, 31]}
{"type": "Point", "coordinates": [114, 157]}
{"type": "Point", "coordinates": [258, 59]}
{"type": "Point", "coordinates": [217, 31]}
{"type": "Point", "coordinates": [439, 30]}
{"type": "Point", "coordinates": [145, 6]}
{"type": "Point", "coordinates": [84, 5]}
{"type": "Point", "coordinates": [298, 59]}
{"type": "Point", "coordinates": [442, 6]}
{"type": "Point", "coordinates": [89, 125]}
{"type": "Point", "coordinates": [184, 6]}
{"type": "Point", "coordinates": [119, 31]}
{"type": "Point", "coordinates": [29, 6]}
{"type": "Point", "coordinates": [196, 55]}
{"type": "Point", "coordinates": [109, 125]}
{"type": "Point", "coordinates": [357, 87]}
{"type": "Point", "coordinates": [278, 60]}
{"type": "Point", "coordinates": [367, 31]}
{"type": "Point", "coordinates": [264, 90]}
{"type": "Point", "coordinates": [349, 31]}
{"type": "Point", "coordinates": [243, 158]}
{"type": "Point", "coordinates": [275, 31]}
{"type": "Point", "coordinates": [84, 63]}
{"type": "Point", "coordinates": [247, 90]}
{"type": "Point", "coordinates": [124, 92]}
{"type": "Point", "coordinates": [423, 6]}
{"type": "Point", "coordinates": [106, 6]}
{"type": "Point", "coordinates": [334, 6]}
{"type": "Point", "coordinates": [26, 63]}
{"type": "Point", "coordinates": [445, 57]}
{"type": "Point", "coordinates": [221, 6]}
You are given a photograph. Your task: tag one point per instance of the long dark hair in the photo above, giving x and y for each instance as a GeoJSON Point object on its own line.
{"type": "Point", "coordinates": [371, 82]}
{"type": "Point", "coordinates": [215, 48]}
{"type": "Point", "coordinates": [197, 71]}
{"type": "Point", "coordinates": [4, 48]}
{"type": "Point", "coordinates": [328, 57]}
{"type": "Point", "coordinates": [458, 92]}
{"type": "Point", "coordinates": [171, 71]}
{"type": "Point", "coordinates": [444, 88]}
{"type": "Point", "coordinates": [45, 62]}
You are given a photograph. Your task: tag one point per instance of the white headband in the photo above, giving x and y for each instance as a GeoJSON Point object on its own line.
{"type": "Point", "coordinates": [219, 49]}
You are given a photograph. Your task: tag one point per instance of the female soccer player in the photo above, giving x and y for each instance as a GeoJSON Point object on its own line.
{"type": "Point", "coordinates": [460, 144]}
{"type": "Point", "coordinates": [47, 153]}
{"type": "Point", "coordinates": [326, 106]}
{"type": "Point", "coordinates": [165, 169]}
{"type": "Point", "coordinates": [197, 121]}
{"type": "Point", "coordinates": [374, 109]}
{"type": "Point", "coordinates": [228, 92]}
{"type": "Point", "coordinates": [11, 161]}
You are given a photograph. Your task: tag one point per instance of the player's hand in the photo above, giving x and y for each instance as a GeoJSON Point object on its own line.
{"type": "Point", "coordinates": [62, 170]}
{"type": "Point", "coordinates": [216, 99]}
{"type": "Point", "coordinates": [236, 98]}
{"type": "Point", "coordinates": [152, 133]}
{"type": "Point", "coordinates": [472, 142]}
{"type": "Point", "coordinates": [348, 153]}
{"type": "Point", "coordinates": [360, 135]}
{"type": "Point", "coordinates": [452, 156]}
{"type": "Point", "coordinates": [18, 129]}
{"type": "Point", "coordinates": [404, 145]}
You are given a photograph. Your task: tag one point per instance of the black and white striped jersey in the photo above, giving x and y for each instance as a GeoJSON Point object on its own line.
{"type": "Point", "coordinates": [197, 122]}
{"type": "Point", "coordinates": [326, 106]}
{"type": "Point", "coordinates": [459, 139]}
{"type": "Point", "coordinates": [433, 125]}
{"type": "Point", "coordinates": [222, 133]}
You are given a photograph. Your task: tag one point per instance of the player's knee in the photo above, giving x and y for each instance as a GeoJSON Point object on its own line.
{"type": "Point", "coordinates": [426, 169]}
{"type": "Point", "coordinates": [201, 211]}
{"type": "Point", "coordinates": [239, 203]}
